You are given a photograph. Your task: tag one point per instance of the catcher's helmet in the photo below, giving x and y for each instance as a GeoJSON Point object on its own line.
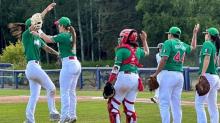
{"type": "Point", "coordinates": [128, 36]}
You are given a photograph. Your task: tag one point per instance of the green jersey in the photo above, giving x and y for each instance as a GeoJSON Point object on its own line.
{"type": "Point", "coordinates": [124, 53]}
{"type": "Point", "coordinates": [208, 48]}
{"type": "Point", "coordinates": [175, 50]}
{"type": "Point", "coordinates": [65, 44]}
{"type": "Point", "coordinates": [31, 45]}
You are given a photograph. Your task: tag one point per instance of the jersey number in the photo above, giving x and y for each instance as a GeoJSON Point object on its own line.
{"type": "Point", "coordinates": [177, 57]}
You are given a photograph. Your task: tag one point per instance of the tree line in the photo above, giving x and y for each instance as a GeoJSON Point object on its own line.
{"type": "Point", "coordinates": [99, 22]}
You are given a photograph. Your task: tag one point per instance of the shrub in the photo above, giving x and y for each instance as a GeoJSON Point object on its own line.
{"type": "Point", "coordinates": [14, 54]}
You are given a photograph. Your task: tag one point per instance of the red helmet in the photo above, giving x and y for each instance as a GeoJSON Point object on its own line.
{"type": "Point", "coordinates": [128, 35]}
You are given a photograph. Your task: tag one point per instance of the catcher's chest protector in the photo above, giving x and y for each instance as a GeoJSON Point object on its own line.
{"type": "Point", "coordinates": [132, 59]}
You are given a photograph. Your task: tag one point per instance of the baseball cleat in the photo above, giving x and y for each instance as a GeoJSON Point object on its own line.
{"type": "Point", "coordinates": [54, 117]}
{"type": "Point", "coordinates": [72, 120]}
{"type": "Point", "coordinates": [154, 100]}
{"type": "Point", "coordinates": [67, 120]}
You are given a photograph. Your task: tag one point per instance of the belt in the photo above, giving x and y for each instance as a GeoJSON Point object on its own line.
{"type": "Point", "coordinates": [36, 61]}
{"type": "Point", "coordinates": [129, 72]}
{"type": "Point", "coordinates": [72, 57]}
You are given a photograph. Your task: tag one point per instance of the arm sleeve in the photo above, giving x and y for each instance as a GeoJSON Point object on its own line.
{"type": "Point", "coordinates": [142, 52]}
{"type": "Point", "coordinates": [206, 49]}
{"type": "Point", "coordinates": [118, 56]}
{"type": "Point", "coordinates": [166, 49]}
{"type": "Point", "coordinates": [58, 38]}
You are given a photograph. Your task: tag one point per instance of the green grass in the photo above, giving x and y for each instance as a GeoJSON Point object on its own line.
{"type": "Point", "coordinates": [90, 111]}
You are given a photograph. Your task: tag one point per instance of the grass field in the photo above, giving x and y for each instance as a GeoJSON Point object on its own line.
{"type": "Point", "coordinates": [90, 111]}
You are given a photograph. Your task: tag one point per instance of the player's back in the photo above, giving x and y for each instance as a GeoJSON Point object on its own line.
{"type": "Point", "coordinates": [175, 49]}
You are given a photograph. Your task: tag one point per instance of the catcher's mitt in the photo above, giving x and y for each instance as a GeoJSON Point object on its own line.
{"type": "Point", "coordinates": [37, 21]}
{"type": "Point", "coordinates": [16, 29]}
{"type": "Point", "coordinates": [152, 83]}
{"type": "Point", "coordinates": [108, 91]}
{"type": "Point", "coordinates": [203, 86]}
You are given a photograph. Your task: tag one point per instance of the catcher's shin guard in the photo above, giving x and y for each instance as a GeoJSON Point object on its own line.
{"type": "Point", "coordinates": [114, 113]}
{"type": "Point", "coordinates": [131, 116]}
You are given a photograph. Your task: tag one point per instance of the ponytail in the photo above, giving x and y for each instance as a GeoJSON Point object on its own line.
{"type": "Point", "coordinates": [216, 39]}
{"type": "Point", "coordinates": [73, 33]}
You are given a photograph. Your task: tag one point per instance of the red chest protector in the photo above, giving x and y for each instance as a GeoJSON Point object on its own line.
{"type": "Point", "coordinates": [132, 59]}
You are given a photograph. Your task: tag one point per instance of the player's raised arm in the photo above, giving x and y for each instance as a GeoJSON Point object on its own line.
{"type": "Point", "coordinates": [143, 37]}
{"type": "Point", "coordinates": [194, 37]}
{"type": "Point", "coordinates": [49, 8]}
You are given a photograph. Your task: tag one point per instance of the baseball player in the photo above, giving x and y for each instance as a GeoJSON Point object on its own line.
{"type": "Point", "coordinates": [208, 68]}
{"type": "Point", "coordinates": [158, 58]}
{"type": "Point", "coordinates": [71, 67]}
{"type": "Point", "coordinates": [171, 77]}
{"type": "Point", "coordinates": [125, 69]}
{"type": "Point", "coordinates": [34, 73]}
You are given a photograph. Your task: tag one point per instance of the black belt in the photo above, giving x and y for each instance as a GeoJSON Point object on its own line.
{"type": "Point", "coordinates": [128, 72]}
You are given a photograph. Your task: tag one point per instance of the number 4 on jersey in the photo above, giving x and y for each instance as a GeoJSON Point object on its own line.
{"type": "Point", "coordinates": [178, 58]}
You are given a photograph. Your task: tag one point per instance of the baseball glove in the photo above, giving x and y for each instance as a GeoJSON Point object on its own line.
{"type": "Point", "coordinates": [152, 83]}
{"type": "Point", "coordinates": [108, 91]}
{"type": "Point", "coordinates": [203, 86]}
{"type": "Point", "coordinates": [16, 29]}
{"type": "Point", "coordinates": [37, 21]}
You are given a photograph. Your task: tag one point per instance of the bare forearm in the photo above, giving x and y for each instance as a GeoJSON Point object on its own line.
{"type": "Point", "coordinates": [146, 48]}
{"type": "Point", "coordinates": [161, 65]}
{"type": "Point", "coordinates": [50, 50]}
{"type": "Point", "coordinates": [194, 41]}
{"type": "Point", "coordinates": [46, 38]}
{"type": "Point", "coordinates": [205, 64]}
{"type": "Point", "coordinates": [46, 10]}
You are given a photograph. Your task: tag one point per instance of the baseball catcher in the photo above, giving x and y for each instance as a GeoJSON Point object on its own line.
{"type": "Point", "coordinates": [125, 72]}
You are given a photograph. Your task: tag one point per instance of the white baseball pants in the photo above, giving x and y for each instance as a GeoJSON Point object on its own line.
{"type": "Point", "coordinates": [69, 74]}
{"type": "Point", "coordinates": [170, 89]}
{"type": "Point", "coordinates": [211, 99]}
{"type": "Point", "coordinates": [126, 87]}
{"type": "Point", "coordinates": [37, 78]}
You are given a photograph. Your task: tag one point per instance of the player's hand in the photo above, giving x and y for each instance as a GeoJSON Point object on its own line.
{"type": "Point", "coordinates": [51, 6]}
{"type": "Point", "coordinates": [143, 36]}
{"type": "Point", "coordinates": [196, 29]}
{"type": "Point", "coordinates": [153, 75]}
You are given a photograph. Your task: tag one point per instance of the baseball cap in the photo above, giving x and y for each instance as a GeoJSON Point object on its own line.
{"type": "Point", "coordinates": [160, 45]}
{"type": "Point", "coordinates": [212, 31]}
{"type": "Point", "coordinates": [28, 22]}
{"type": "Point", "coordinates": [174, 30]}
{"type": "Point", "coordinates": [65, 21]}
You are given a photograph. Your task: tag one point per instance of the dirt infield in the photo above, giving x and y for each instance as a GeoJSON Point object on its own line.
{"type": "Point", "coordinates": [24, 99]}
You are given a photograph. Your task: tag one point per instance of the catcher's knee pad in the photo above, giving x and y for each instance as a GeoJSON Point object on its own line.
{"type": "Point", "coordinates": [131, 116]}
{"type": "Point", "coordinates": [114, 113]}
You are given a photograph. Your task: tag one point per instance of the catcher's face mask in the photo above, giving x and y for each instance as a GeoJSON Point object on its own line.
{"type": "Point", "coordinates": [36, 20]}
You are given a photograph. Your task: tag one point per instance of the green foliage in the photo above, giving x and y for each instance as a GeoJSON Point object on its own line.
{"type": "Point", "coordinates": [14, 54]}
{"type": "Point", "coordinates": [160, 15]}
